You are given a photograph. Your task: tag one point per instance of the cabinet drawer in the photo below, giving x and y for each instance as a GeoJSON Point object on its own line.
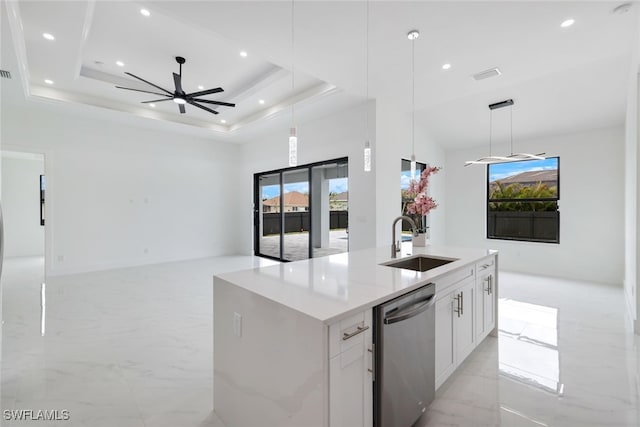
{"type": "Point", "coordinates": [485, 264]}
{"type": "Point", "coordinates": [349, 332]}
{"type": "Point", "coordinates": [444, 285]}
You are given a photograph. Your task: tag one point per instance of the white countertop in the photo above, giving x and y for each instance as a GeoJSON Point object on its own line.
{"type": "Point", "coordinates": [333, 287]}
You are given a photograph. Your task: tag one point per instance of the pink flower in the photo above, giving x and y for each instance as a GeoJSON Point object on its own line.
{"type": "Point", "coordinates": [422, 204]}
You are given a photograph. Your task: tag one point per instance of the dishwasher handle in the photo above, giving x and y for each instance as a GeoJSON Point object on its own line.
{"type": "Point", "coordinates": [411, 311]}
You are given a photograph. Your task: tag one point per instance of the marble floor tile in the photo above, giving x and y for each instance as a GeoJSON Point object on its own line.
{"type": "Point", "coordinates": [565, 356]}
{"type": "Point", "coordinates": [132, 348]}
{"type": "Point", "coordinates": [121, 348]}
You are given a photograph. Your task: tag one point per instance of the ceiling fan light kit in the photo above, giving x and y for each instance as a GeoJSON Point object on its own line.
{"type": "Point", "coordinates": [513, 157]}
{"type": "Point", "coordinates": [179, 96]}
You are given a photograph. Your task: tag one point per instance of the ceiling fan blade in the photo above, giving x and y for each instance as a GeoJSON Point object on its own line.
{"type": "Point", "coordinates": [149, 83]}
{"type": "Point", "coordinates": [177, 80]}
{"type": "Point", "coordinates": [205, 92]}
{"type": "Point", "coordinates": [225, 104]}
{"type": "Point", "coordinates": [181, 107]}
{"type": "Point", "coordinates": [202, 107]}
{"type": "Point", "coordinates": [157, 100]}
{"type": "Point", "coordinates": [143, 91]}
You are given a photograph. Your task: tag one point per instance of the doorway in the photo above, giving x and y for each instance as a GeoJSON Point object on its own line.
{"type": "Point", "coordinates": [23, 205]}
{"type": "Point", "coordinates": [302, 212]}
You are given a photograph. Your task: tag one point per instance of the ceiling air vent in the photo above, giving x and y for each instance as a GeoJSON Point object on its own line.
{"type": "Point", "coordinates": [493, 72]}
{"type": "Point", "coordinates": [5, 74]}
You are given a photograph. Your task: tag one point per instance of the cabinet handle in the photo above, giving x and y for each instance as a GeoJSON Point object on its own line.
{"type": "Point", "coordinates": [370, 350]}
{"type": "Point", "coordinates": [457, 310]}
{"type": "Point", "coordinates": [360, 330]}
{"type": "Point", "coordinates": [462, 302]}
{"type": "Point", "coordinates": [490, 280]}
{"type": "Point", "coordinates": [488, 288]}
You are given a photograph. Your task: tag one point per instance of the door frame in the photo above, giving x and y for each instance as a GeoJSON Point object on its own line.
{"type": "Point", "coordinates": [48, 198]}
{"type": "Point", "coordinates": [257, 200]}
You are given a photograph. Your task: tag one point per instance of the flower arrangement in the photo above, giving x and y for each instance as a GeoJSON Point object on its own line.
{"type": "Point", "coordinates": [418, 203]}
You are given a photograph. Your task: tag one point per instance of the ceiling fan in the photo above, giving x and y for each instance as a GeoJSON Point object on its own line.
{"type": "Point", "coordinates": [179, 96]}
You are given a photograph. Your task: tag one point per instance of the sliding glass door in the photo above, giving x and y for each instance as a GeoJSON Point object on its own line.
{"type": "Point", "coordinates": [302, 212]}
{"type": "Point", "coordinates": [268, 208]}
{"type": "Point", "coordinates": [296, 214]}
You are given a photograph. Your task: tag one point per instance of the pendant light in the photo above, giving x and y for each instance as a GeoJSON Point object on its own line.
{"type": "Point", "coordinates": [367, 144]}
{"type": "Point", "coordinates": [293, 134]}
{"type": "Point", "coordinates": [413, 36]}
{"type": "Point", "coordinates": [511, 157]}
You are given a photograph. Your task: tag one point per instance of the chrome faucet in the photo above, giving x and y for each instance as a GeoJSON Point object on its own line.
{"type": "Point", "coordinates": [395, 247]}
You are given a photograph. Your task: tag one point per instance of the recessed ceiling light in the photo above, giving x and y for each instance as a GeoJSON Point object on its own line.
{"type": "Point", "coordinates": [567, 23]}
{"type": "Point", "coordinates": [49, 82]}
{"type": "Point", "coordinates": [152, 105]}
{"type": "Point", "coordinates": [120, 63]}
{"type": "Point", "coordinates": [200, 87]}
{"type": "Point", "coordinates": [243, 54]}
{"type": "Point", "coordinates": [223, 121]}
{"type": "Point", "coordinates": [145, 12]}
{"type": "Point", "coordinates": [446, 66]}
{"type": "Point", "coordinates": [48, 36]}
{"type": "Point", "coordinates": [261, 101]}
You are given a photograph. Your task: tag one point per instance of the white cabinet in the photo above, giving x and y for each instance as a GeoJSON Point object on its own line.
{"type": "Point", "coordinates": [464, 320]}
{"type": "Point", "coordinates": [445, 325]}
{"type": "Point", "coordinates": [485, 298]}
{"type": "Point", "coordinates": [350, 372]}
{"type": "Point", "coordinates": [455, 333]}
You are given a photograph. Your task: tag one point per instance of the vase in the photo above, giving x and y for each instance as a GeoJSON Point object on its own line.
{"type": "Point", "coordinates": [420, 240]}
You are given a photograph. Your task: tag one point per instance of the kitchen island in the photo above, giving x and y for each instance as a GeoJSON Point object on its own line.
{"type": "Point", "coordinates": [293, 342]}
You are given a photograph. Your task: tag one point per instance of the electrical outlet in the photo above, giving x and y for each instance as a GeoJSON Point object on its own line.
{"type": "Point", "coordinates": [237, 324]}
{"type": "Point", "coordinates": [60, 258]}
{"type": "Point", "coordinates": [146, 250]}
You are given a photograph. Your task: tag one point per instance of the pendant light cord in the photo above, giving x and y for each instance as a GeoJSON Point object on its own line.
{"type": "Point", "coordinates": [293, 105]}
{"type": "Point", "coordinates": [367, 74]}
{"type": "Point", "coordinates": [413, 98]}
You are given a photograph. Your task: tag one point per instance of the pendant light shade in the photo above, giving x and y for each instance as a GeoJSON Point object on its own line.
{"type": "Point", "coordinates": [367, 157]}
{"type": "Point", "coordinates": [490, 159]}
{"type": "Point", "coordinates": [293, 147]}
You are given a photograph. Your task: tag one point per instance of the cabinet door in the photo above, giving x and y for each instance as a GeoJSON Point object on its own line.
{"type": "Point", "coordinates": [464, 332]}
{"type": "Point", "coordinates": [481, 285]}
{"type": "Point", "coordinates": [351, 384]}
{"type": "Point", "coordinates": [489, 301]}
{"type": "Point", "coordinates": [445, 352]}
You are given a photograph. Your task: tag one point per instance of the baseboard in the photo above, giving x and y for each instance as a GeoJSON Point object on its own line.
{"type": "Point", "coordinates": [117, 264]}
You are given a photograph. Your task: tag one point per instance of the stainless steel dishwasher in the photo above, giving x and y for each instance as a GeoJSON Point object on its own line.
{"type": "Point", "coordinates": [404, 358]}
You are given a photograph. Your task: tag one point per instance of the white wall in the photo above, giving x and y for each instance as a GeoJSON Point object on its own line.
{"type": "Point", "coordinates": [338, 135]}
{"type": "Point", "coordinates": [591, 208]}
{"type": "Point", "coordinates": [120, 195]}
{"type": "Point", "coordinates": [24, 236]}
{"type": "Point", "coordinates": [632, 185]}
{"type": "Point", "coordinates": [393, 133]}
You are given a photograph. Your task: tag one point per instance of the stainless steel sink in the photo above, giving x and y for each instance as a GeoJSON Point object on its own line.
{"type": "Point", "coordinates": [419, 263]}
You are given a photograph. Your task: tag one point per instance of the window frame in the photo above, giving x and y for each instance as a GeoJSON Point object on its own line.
{"type": "Point", "coordinates": [556, 199]}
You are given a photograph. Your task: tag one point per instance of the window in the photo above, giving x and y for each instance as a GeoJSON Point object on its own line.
{"type": "Point", "coordinates": [522, 200]}
{"type": "Point", "coordinates": [405, 180]}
